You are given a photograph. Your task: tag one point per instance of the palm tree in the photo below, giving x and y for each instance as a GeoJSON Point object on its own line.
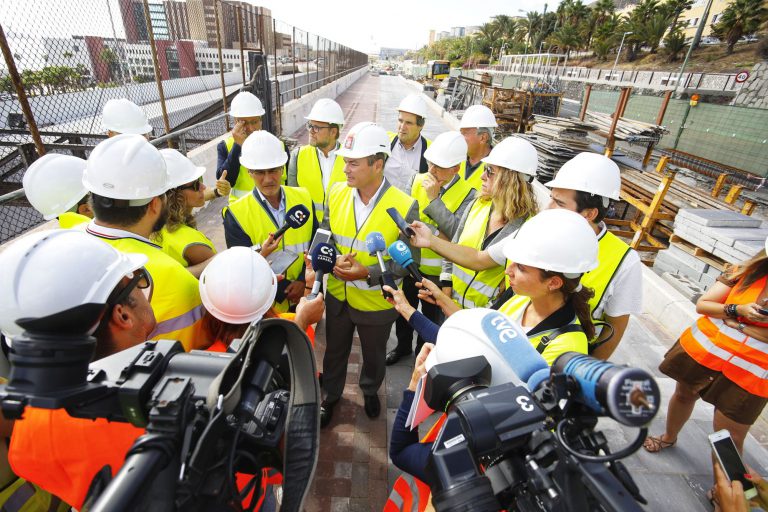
{"type": "Point", "coordinates": [676, 8]}
{"type": "Point", "coordinates": [739, 18]}
{"type": "Point", "coordinates": [674, 43]}
{"type": "Point", "coordinates": [598, 14]}
{"type": "Point", "coordinates": [566, 38]}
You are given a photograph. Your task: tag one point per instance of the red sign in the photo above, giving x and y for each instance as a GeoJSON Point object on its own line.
{"type": "Point", "coordinates": [742, 76]}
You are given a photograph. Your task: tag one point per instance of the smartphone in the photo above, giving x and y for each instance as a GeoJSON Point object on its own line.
{"type": "Point", "coordinates": [763, 311]}
{"type": "Point", "coordinates": [730, 461]}
{"type": "Point", "coordinates": [279, 261]}
{"type": "Point", "coordinates": [400, 221]}
{"type": "Point", "coordinates": [322, 236]}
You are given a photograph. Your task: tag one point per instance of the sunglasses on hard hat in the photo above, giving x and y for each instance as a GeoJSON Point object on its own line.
{"type": "Point", "coordinates": [139, 279]}
{"type": "Point", "coordinates": [195, 185]}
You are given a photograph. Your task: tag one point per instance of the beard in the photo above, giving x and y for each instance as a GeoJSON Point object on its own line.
{"type": "Point", "coordinates": [162, 219]}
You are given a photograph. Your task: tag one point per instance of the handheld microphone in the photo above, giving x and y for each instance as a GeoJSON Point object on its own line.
{"type": "Point", "coordinates": [323, 259]}
{"type": "Point", "coordinates": [401, 254]}
{"type": "Point", "coordinates": [400, 221]}
{"type": "Point", "coordinates": [376, 246]}
{"type": "Point", "coordinates": [295, 217]}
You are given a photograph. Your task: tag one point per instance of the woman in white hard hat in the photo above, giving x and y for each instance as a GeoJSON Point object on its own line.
{"type": "Point", "coordinates": [124, 116]}
{"type": "Point", "coordinates": [54, 187]}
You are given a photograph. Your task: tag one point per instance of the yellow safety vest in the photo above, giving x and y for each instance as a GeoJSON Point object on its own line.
{"type": "Point", "coordinates": [431, 262]}
{"type": "Point", "coordinates": [475, 289]}
{"type": "Point", "coordinates": [348, 238]}
{"type": "Point", "coordinates": [69, 220]}
{"type": "Point", "coordinates": [175, 293]}
{"type": "Point", "coordinates": [174, 243]}
{"type": "Point", "coordinates": [24, 496]}
{"type": "Point", "coordinates": [258, 223]}
{"type": "Point", "coordinates": [310, 176]}
{"type": "Point", "coordinates": [244, 183]}
{"type": "Point", "coordinates": [475, 180]}
{"type": "Point", "coordinates": [550, 347]}
{"type": "Point", "coordinates": [611, 251]}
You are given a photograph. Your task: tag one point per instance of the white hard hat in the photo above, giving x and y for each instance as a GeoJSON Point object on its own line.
{"type": "Point", "coordinates": [181, 169]}
{"type": "Point", "coordinates": [515, 154]}
{"type": "Point", "coordinates": [238, 286]}
{"type": "Point", "coordinates": [262, 150]}
{"type": "Point", "coordinates": [590, 172]}
{"type": "Point", "coordinates": [415, 104]}
{"type": "Point", "coordinates": [54, 184]}
{"type": "Point", "coordinates": [126, 167]}
{"type": "Point", "coordinates": [124, 116]}
{"type": "Point", "coordinates": [246, 104]}
{"type": "Point", "coordinates": [51, 271]}
{"type": "Point", "coordinates": [447, 150]}
{"type": "Point", "coordinates": [365, 139]}
{"type": "Point", "coordinates": [326, 110]}
{"type": "Point", "coordinates": [478, 116]}
{"type": "Point", "coordinates": [557, 240]}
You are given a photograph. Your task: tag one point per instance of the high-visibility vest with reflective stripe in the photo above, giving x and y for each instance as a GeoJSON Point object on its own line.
{"type": "Point", "coordinates": [244, 183]}
{"type": "Point", "coordinates": [252, 215]}
{"type": "Point", "coordinates": [474, 180]}
{"type": "Point", "coordinates": [175, 242]}
{"type": "Point", "coordinates": [475, 289]}
{"type": "Point", "coordinates": [359, 294]}
{"type": "Point", "coordinates": [309, 175]}
{"type": "Point", "coordinates": [69, 220]}
{"type": "Point", "coordinates": [740, 358]}
{"type": "Point", "coordinates": [62, 454]}
{"type": "Point", "coordinates": [175, 293]}
{"type": "Point", "coordinates": [431, 262]}
{"type": "Point", "coordinates": [611, 251]}
{"type": "Point", "coordinates": [23, 496]}
{"type": "Point", "coordinates": [564, 342]}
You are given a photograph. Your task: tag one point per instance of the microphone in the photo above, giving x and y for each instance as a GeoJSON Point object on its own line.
{"type": "Point", "coordinates": [323, 259]}
{"type": "Point", "coordinates": [376, 246]}
{"type": "Point", "coordinates": [401, 254]}
{"type": "Point", "coordinates": [295, 217]}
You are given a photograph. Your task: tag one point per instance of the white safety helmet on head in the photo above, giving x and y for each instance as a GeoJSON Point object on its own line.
{"type": "Point", "coordinates": [126, 167]}
{"type": "Point", "coordinates": [54, 184]}
{"type": "Point", "coordinates": [326, 110]}
{"type": "Point", "coordinates": [515, 154]}
{"type": "Point", "coordinates": [261, 151]}
{"type": "Point", "coordinates": [124, 116]}
{"type": "Point", "coordinates": [414, 104]}
{"type": "Point", "coordinates": [447, 150]}
{"type": "Point", "coordinates": [592, 173]}
{"type": "Point", "coordinates": [52, 271]}
{"type": "Point", "coordinates": [365, 139]}
{"type": "Point", "coordinates": [246, 104]}
{"type": "Point", "coordinates": [238, 286]}
{"type": "Point", "coordinates": [478, 116]}
{"type": "Point", "coordinates": [181, 169]}
{"type": "Point", "coordinates": [557, 240]}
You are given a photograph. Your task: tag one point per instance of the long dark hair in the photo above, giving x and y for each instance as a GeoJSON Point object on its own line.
{"type": "Point", "coordinates": [749, 271]}
{"type": "Point", "coordinates": [579, 298]}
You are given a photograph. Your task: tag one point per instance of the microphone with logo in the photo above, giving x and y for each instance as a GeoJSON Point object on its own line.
{"type": "Point", "coordinates": [401, 254]}
{"type": "Point", "coordinates": [376, 246]}
{"type": "Point", "coordinates": [295, 217]}
{"type": "Point", "coordinates": [323, 259]}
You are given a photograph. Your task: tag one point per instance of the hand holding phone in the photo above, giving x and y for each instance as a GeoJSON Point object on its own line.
{"type": "Point", "coordinates": [730, 461]}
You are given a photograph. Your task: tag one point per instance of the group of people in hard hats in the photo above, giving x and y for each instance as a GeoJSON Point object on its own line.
{"type": "Point", "coordinates": [472, 227]}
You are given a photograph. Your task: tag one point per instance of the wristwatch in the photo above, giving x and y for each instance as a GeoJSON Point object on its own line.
{"type": "Point", "coordinates": [216, 192]}
{"type": "Point", "coordinates": [741, 327]}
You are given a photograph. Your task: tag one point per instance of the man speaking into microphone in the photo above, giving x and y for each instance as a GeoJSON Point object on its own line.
{"type": "Point", "coordinates": [274, 215]}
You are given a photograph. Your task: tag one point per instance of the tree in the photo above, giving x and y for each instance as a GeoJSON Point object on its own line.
{"type": "Point", "coordinates": [566, 38]}
{"type": "Point", "coordinates": [674, 43]}
{"type": "Point", "coordinates": [739, 18]}
{"type": "Point", "coordinates": [676, 8]}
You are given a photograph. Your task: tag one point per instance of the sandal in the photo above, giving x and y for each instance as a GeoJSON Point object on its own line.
{"type": "Point", "coordinates": [654, 444]}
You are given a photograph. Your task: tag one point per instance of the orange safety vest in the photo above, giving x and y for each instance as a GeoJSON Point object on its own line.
{"type": "Point", "coordinates": [409, 493]}
{"type": "Point", "coordinates": [219, 346]}
{"type": "Point", "coordinates": [740, 358]}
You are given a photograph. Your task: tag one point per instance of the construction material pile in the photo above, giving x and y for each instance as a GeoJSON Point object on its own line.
{"type": "Point", "coordinates": [634, 132]}
{"type": "Point", "coordinates": [508, 105]}
{"type": "Point", "coordinates": [557, 139]}
{"type": "Point", "coordinates": [552, 155]}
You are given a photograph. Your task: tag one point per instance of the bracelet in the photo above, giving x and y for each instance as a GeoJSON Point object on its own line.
{"type": "Point", "coordinates": [730, 310]}
{"type": "Point", "coordinates": [741, 327]}
{"type": "Point", "coordinates": [216, 192]}
{"type": "Point", "coordinates": [307, 287]}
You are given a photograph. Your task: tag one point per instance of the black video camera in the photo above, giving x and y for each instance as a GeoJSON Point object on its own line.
{"type": "Point", "coordinates": [504, 447]}
{"type": "Point", "coordinates": [207, 415]}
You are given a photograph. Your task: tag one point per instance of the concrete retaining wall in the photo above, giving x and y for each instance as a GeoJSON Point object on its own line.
{"type": "Point", "coordinates": [753, 93]}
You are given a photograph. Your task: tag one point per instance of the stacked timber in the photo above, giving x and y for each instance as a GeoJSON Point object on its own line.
{"type": "Point", "coordinates": [557, 139]}
{"type": "Point", "coordinates": [552, 154]}
{"type": "Point", "coordinates": [627, 130]}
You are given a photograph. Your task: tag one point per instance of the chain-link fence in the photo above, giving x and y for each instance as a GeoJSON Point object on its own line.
{"type": "Point", "coordinates": [181, 61]}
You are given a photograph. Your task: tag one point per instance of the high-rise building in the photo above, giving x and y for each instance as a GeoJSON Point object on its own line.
{"type": "Point", "coordinates": [178, 19]}
{"type": "Point", "coordinates": [431, 36]}
{"type": "Point", "coordinates": [135, 23]}
{"type": "Point", "coordinates": [256, 24]}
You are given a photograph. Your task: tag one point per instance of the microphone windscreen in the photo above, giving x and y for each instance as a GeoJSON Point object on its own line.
{"type": "Point", "coordinates": [323, 258]}
{"type": "Point", "coordinates": [400, 253]}
{"type": "Point", "coordinates": [375, 242]}
{"type": "Point", "coordinates": [297, 216]}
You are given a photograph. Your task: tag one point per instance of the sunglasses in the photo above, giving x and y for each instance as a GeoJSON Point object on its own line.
{"type": "Point", "coordinates": [488, 171]}
{"type": "Point", "coordinates": [314, 128]}
{"type": "Point", "coordinates": [140, 279]}
{"type": "Point", "coordinates": [195, 185]}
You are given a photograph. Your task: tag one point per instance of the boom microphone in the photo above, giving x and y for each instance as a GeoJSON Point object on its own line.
{"type": "Point", "coordinates": [323, 259]}
{"type": "Point", "coordinates": [401, 254]}
{"type": "Point", "coordinates": [295, 217]}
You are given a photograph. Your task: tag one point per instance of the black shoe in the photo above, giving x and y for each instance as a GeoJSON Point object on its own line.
{"type": "Point", "coordinates": [394, 356]}
{"type": "Point", "coordinates": [326, 413]}
{"type": "Point", "coordinates": [372, 406]}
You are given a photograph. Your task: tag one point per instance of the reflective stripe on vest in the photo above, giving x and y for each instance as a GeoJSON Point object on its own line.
{"type": "Point", "coordinates": [611, 251]}
{"type": "Point", "coordinates": [564, 342]}
{"type": "Point", "coordinates": [309, 175]}
{"type": "Point", "coordinates": [175, 293]}
{"type": "Point", "coordinates": [431, 262]}
{"type": "Point", "coordinates": [69, 220]}
{"type": "Point", "coordinates": [475, 179]}
{"type": "Point", "coordinates": [409, 494]}
{"type": "Point", "coordinates": [475, 289]}
{"type": "Point", "coordinates": [23, 496]}
{"type": "Point", "coordinates": [244, 183]}
{"type": "Point", "coordinates": [348, 238]}
{"type": "Point", "coordinates": [174, 243]}
{"type": "Point", "coordinates": [740, 358]}
{"type": "Point", "coordinates": [257, 222]}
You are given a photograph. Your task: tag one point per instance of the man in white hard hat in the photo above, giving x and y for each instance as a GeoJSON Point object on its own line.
{"type": "Point", "coordinates": [317, 165]}
{"type": "Point", "coordinates": [128, 178]}
{"type": "Point", "coordinates": [124, 116]}
{"type": "Point", "coordinates": [54, 187]}
{"type": "Point", "coordinates": [442, 196]}
{"type": "Point", "coordinates": [585, 184]}
{"type": "Point", "coordinates": [476, 126]}
{"type": "Point", "coordinates": [407, 145]}
{"type": "Point", "coordinates": [253, 219]}
{"type": "Point", "coordinates": [354, 300]}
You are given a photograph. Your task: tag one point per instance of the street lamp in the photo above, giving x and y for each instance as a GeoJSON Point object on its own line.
{"type": "Point", "coordinates": [618, 54]}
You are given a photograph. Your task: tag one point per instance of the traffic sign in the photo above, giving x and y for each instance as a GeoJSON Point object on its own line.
{"type": "Point", "coordinates": [742, 76]}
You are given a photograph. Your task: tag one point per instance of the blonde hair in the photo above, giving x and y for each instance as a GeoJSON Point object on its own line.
{"type": "Point", "coordinates": [749, 271]}
{"type": "Point", "coordinates": [178, 214]}
{"type": "Point", "coordinates": [512, 195]}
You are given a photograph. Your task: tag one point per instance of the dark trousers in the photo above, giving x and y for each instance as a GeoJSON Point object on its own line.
{"type": "Point", "coordinates": [403, 330]}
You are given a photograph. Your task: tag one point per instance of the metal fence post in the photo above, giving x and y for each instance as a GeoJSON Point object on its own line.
{"type": "Point", "coordinates": [317, 63]}
{"type": "Point", "coordinates": [293, 52]}
{"type": "Point", "coordinates": [240, 33]}
{"type": "Point", "coordinates": [158, 76]}
{"type": "Point", "coordinates": [216, 6]}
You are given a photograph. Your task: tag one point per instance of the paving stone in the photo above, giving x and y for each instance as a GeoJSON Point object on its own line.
{"type": "Point", "coordinates": [671, 259]}
{"type": "Point", "coordinates": [688, 288]}
{"type": "Point", "coordinates": [687, 259]}
{"type": "Point", "coordinates": [729, 236]}
{"type": "Point", "coordinates": [717, 218]}
{"type": "Point", "coordinates": [696, 238]}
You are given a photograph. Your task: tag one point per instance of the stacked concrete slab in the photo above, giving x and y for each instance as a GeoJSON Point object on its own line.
{"type": "Point", "coordinates": [711, 238]}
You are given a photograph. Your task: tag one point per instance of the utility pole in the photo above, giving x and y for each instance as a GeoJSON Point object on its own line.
{"type": "Point", "coordinates": [618, 54]}
{"type": "Point", "coordinates": [694, 43]}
